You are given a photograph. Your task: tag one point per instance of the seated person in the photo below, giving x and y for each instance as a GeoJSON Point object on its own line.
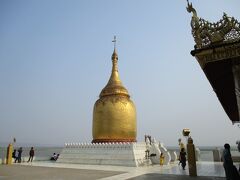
{"type": "Point", "coordinates": [54, 156]}
{"type": "Point", "coordinates": [57, 157]}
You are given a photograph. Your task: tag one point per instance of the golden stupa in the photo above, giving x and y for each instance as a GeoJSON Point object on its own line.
{"type": "Point", "coordinates": [114, 114]}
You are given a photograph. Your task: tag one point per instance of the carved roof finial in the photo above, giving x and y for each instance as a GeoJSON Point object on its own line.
{"type": "Point", "coordinates": [206, 33]}
{"type": "Point", "coordinates": [190, 9]}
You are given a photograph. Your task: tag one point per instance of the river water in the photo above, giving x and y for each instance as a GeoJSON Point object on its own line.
{"type": "Point", "coordinates": [206, 153]}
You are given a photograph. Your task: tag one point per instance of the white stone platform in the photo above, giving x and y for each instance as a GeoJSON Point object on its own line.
{"type": "Point", "coordinates": [120, 154]}
{"type": "Point", "coordinates": [213, 169]}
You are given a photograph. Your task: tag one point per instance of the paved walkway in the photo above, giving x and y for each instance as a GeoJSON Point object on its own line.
{"type": "Point", "coordinates": [52, 170]}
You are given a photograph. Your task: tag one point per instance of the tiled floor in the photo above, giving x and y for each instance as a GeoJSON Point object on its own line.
{"type": "Point", "coordinates": [203, 169]}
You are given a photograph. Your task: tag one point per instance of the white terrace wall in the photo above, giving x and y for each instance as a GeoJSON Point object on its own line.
{"type": "Point", "coordinates": [121, 154]}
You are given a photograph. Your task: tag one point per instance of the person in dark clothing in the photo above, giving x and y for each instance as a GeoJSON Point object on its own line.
{"type": "Point", "coordinates": [183, 158]}
{"type": "Point", "coordinates": [31, 154]}
{"type": "Point", "coordinates": [57, 157]}
{"type": "Point", "coordinates": [230, 170]}
{"type": "Point", "coordinates": [54, 156]}
{"type": "Point", "coordinates": [19, 157]}
{"type": "Point", "coordinates": [14, 154]}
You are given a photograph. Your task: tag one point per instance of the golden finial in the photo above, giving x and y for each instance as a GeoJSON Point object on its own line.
{"type": "Point", "coordinates": [114, 55]}
{"type": "Point", "coordinates": [114, 41]}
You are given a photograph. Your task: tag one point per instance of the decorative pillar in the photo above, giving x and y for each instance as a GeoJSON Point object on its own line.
{"type": "Point", "coordinates": [9, 154]}
{"type": "Point", "coordinates": [191, 158]}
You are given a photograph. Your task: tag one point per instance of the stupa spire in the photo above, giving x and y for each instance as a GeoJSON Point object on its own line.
{"type": "Point", "coordinates": [114, 85]}
{"type": "Point", "coordinates": [115, 60]}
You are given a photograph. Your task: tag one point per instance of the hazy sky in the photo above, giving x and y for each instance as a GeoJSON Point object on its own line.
{"type": "Point", "coordinates": [55, 58]}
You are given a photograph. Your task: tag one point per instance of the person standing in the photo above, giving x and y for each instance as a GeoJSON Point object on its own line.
{"type": "Point", "coordinates": [161, 159]}
{"type": "Point", "coordinates": [19, 157]}
{"type": "Point", "coordinates": [183, 158]}
{"type": "Point", "coordinates": [230, 170]}
{"type": "Point", "coordinates": [31, 154]}
{"type": "Point", "coordinates": [14, 155]}
{"type": "Point", "coordinates": [181, 146]}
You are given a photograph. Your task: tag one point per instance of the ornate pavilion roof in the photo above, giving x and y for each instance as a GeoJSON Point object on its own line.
{"type": "Point", "coordinates": [217, 50]}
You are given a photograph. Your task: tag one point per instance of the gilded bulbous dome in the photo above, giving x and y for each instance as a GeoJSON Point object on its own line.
{"type": "Point", "coordinates": [114, 114]}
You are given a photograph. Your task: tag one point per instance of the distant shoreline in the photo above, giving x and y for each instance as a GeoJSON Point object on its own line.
{"type": "Point", "coordinates": [168, 147]}
{"type": "Point", "coordinates": [26, 145]}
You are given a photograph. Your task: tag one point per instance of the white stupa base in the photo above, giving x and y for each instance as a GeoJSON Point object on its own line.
{"type": "Point", "coordinates": [119, 154]}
